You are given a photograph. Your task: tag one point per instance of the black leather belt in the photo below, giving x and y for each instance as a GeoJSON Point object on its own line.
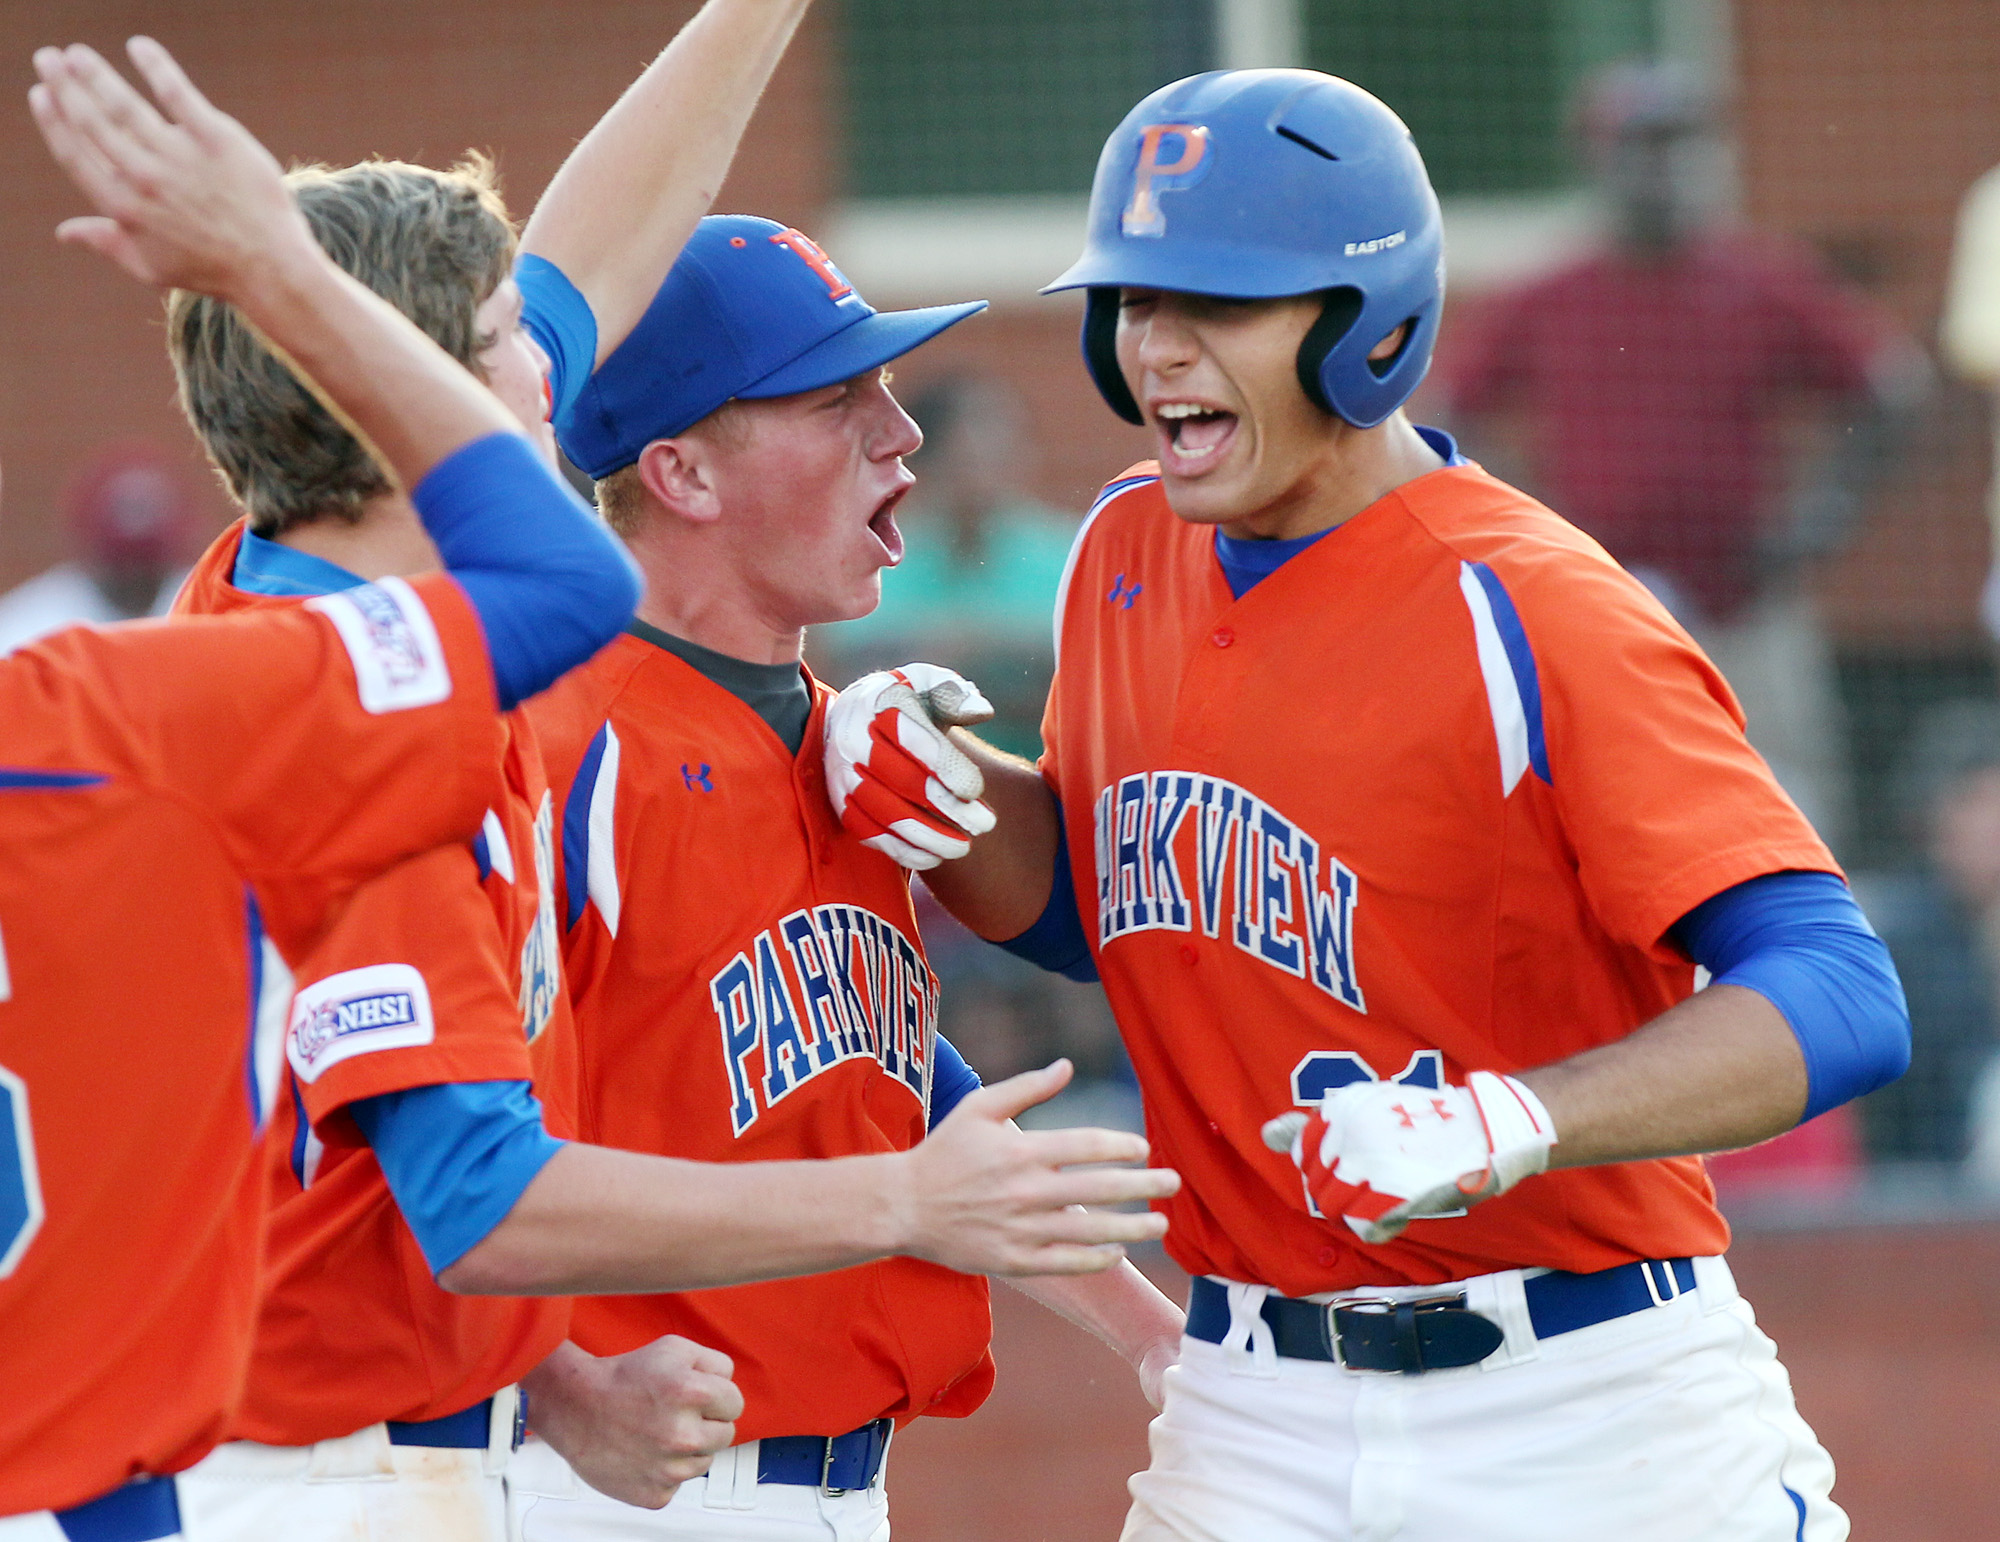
{"type": "Point", "coordinates": [831, 1463]}
{"type": "Point", "coordinates": [1437, 1333]}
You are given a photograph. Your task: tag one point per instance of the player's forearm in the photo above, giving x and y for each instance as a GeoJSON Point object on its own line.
{"type": "Point", "coordinates": [403, 395]}
{"type": "Point", "coordinates": [1721, 1070]}
{"type": "Point", "coordinates": [1121, 1307]}
{"type": "Point", "coordinates": [629, 196]}
{"type": "Point", "coordinates": [1000, 887]}
{"type": "Point", "coordinates": [602, 1222]}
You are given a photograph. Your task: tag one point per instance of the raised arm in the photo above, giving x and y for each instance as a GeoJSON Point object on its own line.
{"type": "Point", "coordinates": [187, 198]}
{"type": "Point", "coordinates": [629, 196]}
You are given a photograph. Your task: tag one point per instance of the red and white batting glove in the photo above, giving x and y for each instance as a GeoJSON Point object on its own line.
{"type": "Point", "coordinates": [897, 782]}
{"type": "Point", "coordinates": [1380, 1154]}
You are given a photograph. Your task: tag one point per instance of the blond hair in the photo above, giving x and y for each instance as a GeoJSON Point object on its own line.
{"type": "Point", "coordinates": [435, 244]}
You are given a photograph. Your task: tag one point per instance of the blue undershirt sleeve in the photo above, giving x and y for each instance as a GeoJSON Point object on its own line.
{"type": "Point", "coordinates": [457, 1156]}
{"type": "Point", "coordinates": [1056, 941]}
{"type": "Point", "coordinates": [559, 318]}
{"type": "Point", "coordinates": [1799, 941]}
{"type": "Point", "coordinates": [551, 584]}
{"type": "Point", "coordinates": [951, 1080]}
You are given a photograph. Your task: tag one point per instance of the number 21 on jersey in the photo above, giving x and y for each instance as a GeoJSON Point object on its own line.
{"type": "Point", "coordinates": [1325, 1069]}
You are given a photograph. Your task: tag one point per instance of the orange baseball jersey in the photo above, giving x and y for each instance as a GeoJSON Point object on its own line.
{"type": "Point", "coordinates": [749, 985]}
{"type": "Point", "coordinates": [354, 1328]}
{"type": "Point", "coordinates": [183, 807]}
{"type": "Point", "coordinates": [1422, 802]}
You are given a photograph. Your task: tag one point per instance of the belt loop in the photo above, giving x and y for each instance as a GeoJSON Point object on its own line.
{"type": "Point", "coordinates": [1409, 1349]}
{"type": "Point", "coordinates": [882, 1463]}
{"type": "Point", "coordinates": [1250, 1345]}
{"type": "Point", "coordinates": [743, 1481]}
{"type": "Point", "coordinates": [362, 1457]}
{"type": "Point", "coordinates": [502, 1425]}
{"type": "Point", "coordinates": [1654, 1288]}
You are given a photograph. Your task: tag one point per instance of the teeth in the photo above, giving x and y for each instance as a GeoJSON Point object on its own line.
{"type": "Point", "coordinates": [1176, 410]}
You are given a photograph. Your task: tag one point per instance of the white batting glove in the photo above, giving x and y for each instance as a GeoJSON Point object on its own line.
{"type": "Point", "coordinates": [897, 782]}
{"type": "Point", "coordinates": [1380, 1154]}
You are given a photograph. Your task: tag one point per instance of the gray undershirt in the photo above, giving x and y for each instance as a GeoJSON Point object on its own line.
{"type": "Point", "coordinates": [777, 693]}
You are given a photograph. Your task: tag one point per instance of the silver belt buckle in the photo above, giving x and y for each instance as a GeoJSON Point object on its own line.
{"type": "Point", "coordinates": [826, 1471]}
{"type": "Point", "coordinates": [1377, 1304]}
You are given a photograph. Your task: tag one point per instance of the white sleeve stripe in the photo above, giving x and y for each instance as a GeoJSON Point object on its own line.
{"type": "Point", "coordinates": [601, 877]}
{"type": "Point", "coordinates": [1503, 692]}
{"type": "Point", "coordinates": [498, 852]}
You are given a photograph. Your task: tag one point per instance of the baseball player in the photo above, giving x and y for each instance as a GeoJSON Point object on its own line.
{"type": "Point", "coordinates": [749, 981]}
{"type": "Point", "coordinates": [158, 870]}
{"type": "Point", "coordinates": [1394, 802]}
{"type": "Point", "coordinates": [413, 1162]}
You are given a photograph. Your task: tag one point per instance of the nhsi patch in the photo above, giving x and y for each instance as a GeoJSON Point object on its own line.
{"type": "Point", "coordinates": [357, 1012]}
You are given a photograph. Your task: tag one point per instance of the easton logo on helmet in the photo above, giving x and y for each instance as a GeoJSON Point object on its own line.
{"type": "Point", "coordinates": [1379, 244]}
{"type": "Point", "coordinates": [1152, 176]}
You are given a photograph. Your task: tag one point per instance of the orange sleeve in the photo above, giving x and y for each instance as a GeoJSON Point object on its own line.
{"type": "Point", "coordinates": [1661, 798]}
{"type": "Point", "coordinates": [327, 741]}
{"type": "Point", "coordinates": [422, 938]}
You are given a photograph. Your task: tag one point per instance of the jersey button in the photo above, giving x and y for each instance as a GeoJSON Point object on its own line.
{"type": "Point", "coordinates": [1222, 636]}
{"type": "Point", "coordinates": [1327, 1255]}
{"type": "Point", "coordinates": [1188, 954]}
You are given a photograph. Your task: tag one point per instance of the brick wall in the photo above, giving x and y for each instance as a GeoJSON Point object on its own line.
{"type": "Point", "coordinates": [1861, 126]}
{"type": "Point", "coordinates": [81, 358]}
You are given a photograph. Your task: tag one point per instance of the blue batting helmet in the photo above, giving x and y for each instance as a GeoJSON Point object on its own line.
{"type": "Point", "coordinates": [1253, 184]}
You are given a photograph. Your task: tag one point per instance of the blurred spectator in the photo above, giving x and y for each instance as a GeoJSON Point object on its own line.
{"type": "Point", "coordinates": [976, 588]}
{"type": "Point", "coordinates": [131, 528]}
{"type": "Point", "coordinates": [1942, 924]}
{"type": "Point", "coordinates": [1656, 377]}
{"type": "Point", "coordinates": [1970, 335]}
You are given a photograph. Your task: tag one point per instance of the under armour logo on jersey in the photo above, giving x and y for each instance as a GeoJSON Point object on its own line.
{"type": "Point", "coordinates": [1121, 596]}
{"type": "Point", "coordinates": [696, 777]}
{"type": "Point", "coordinates": [809, 251]}
{"type": "Point", "coordinates": [1155, 175]}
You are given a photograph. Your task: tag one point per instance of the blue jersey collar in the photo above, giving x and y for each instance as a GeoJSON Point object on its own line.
{"type": "Point", "coordinates": [1245, 564]}
{"type": "Point", "coordinates": [268, 567]}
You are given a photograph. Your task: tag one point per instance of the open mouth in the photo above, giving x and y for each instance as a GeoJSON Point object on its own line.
{"type": "Point", "coordinates": [882, 524]}
{"type": "Point", "coordinates": [1192, 435]}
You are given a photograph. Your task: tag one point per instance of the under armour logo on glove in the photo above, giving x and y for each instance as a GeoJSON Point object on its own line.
{"type": "Point", "coordinates": [897, 782]}
{"type": "Point", "coordinates": [1380, 1155]}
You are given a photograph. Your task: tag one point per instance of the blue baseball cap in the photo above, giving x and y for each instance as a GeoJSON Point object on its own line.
{"type": "Point", "coordinates": [751, 310]}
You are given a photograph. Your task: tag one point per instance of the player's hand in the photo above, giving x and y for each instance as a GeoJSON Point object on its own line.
{"type": "Point", "coordinates": [983, 1196]}
{"type": "Point", "coordinates": [1161, 1356]}
{"type": "Point", "coordinates": [186, 196]}
{"type": "Point", "coordinates": [636, 1426]}
{"type": "Point", "coordinates": [897, 781]}
{"type": "Point", "coordinates": [1380, 1154]}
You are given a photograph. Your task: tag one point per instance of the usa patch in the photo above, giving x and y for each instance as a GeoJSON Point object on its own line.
{"type": "Point", "coordinates": [398, 659]}
{"type": "Point", "coordinates": [357, 1012]}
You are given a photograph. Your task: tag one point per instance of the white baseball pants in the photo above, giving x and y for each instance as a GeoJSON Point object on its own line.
{"type": "Point", "coordinates": [1671, 1423]}
{"type": "Point", "coordinates": [359, 1488]}
{"type": "Point", "coordinates": [552, 1504]}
